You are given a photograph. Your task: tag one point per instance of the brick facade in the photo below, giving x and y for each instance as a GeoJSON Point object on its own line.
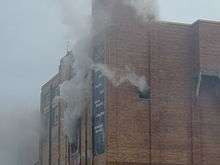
{"type": "Point", "coordinates": [54, 144]}
{"type": "Point", "coordinates": [165, 129]}
{"type": "Point", "coordinates": [179, 124]}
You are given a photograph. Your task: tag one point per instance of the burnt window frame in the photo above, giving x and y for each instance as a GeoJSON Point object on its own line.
{"type": "Point", "coordinates": [144, 95]}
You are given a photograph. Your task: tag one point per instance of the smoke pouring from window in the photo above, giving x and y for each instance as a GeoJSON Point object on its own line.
{"type": "Point", "coordinates": [117, 76]}
{"type": "Point", "coordinates": [77, 16]}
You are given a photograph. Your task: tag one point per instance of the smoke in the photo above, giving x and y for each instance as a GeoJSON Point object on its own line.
{"type": "Point", "coordinates": [118, 76]}
{"type": "Point", "coordinates": [77, 16]}
{"type": "Point", "coordinates": [19, 136]}
{"type": "Point", "coordinates": [75, 91]}
{"type": "Point", "coordinates": [147, 10]}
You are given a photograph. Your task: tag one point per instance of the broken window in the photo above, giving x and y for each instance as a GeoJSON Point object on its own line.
{"type": "Point", "coordinates": [145, 94]}
{"type": "Point", "coordinates": [73, 148]}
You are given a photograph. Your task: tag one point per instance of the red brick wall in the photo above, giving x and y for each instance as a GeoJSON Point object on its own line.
{"type": "Point", "coordinates": [157, 130]}
{"type": "Point", "coordinates": [204, 106]}
{"type": "Point", "coordinates": [175, 126]}
{"type": "Point", "coordinates": [58, 149]}
{"type": "Point", "coordinates": [209, 47]}
{"type": "Point", "coordinates": [166, 129]}
{"type": "Point", "coordinates": [207, 130]}
{"type": "Point", "coordinates": [127, 115]}
{"type": "Point", "coordinates": [171, 86]}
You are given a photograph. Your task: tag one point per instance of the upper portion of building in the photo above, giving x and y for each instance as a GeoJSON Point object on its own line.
{"type": "Point", "coordinates": [116, 16]}
{"type": "Point", "coordinates": [177, 123]}
{"type": "Point", "coordinates": [51, 89]}
{"type": "Point", "coordinates": [208, 47]}
{"type": "Point", "coordinates": [180, 62]}
{"type": "Point", "coordinates": [54, 145]}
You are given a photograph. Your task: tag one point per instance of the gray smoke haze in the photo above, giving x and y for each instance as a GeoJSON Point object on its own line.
{"type": "Point", "coordinates": [147, 10]}
{"type": "Point", "coordinates": [77, 16]}
{"type": "Point", "coordinates": [19, 137]}
{"type": "Point", "coordinates": [31, 43]}
{"type": "Point", "coordinates": [75, 91]}
{"type": "Point", "coordinates": [118, 76]}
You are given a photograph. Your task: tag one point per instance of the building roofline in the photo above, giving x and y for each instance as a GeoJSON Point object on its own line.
{"type": "Point", "coordinates": [173, 23]}
{"type": "Point", "coordinates": [207, 21]}
{"type": "Point", "coordinates": [49, 81]}
{"type": "Point", "coordinates": [188, 24]}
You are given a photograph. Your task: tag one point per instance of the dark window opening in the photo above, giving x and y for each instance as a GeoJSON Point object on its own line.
{"type": "Point", "coordinates": [73, 148]}
{"type": "Point", "coordinates": [212, 83]}
{"type": "Point", "coordinates": [211, 80]}
{"type": "Point", "coordinates": [145, 94]}
{"type": "Point", "coordinates": [74, 143]}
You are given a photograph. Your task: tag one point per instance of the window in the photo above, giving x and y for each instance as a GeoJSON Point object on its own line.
{"type": "Point", "coordinates": [74, 143]}
{"type": "Point", "coordinates": [211, 83]}
{"type": "Point", "coordinates": [207, 81]}
{"type": "Point", "coordinates": [98, 101]}
{"type": "Point", "coordinates": [144, 94]}
{"type": "Point", "coordinates": [73, 148]}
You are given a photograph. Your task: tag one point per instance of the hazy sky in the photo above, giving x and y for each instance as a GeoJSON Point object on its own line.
{"type": "Point", "coordinates": [189, 10]}
{"type": "Point", "coordinates": [32, 40]}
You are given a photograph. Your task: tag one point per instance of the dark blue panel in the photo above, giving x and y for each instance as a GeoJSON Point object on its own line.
{"type": "Point", "coordinates": [98, 105]}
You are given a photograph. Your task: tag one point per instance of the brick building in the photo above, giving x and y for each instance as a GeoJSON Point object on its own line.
{"type": "Point", "coordinates": [176, 124]}
{"type": "Point", "coordinates": [54, 143]}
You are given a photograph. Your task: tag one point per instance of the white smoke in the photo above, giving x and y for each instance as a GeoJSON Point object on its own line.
{"type": "Point", "coordinates": [146, 9]}
{"type": "Point", "coordinates": [117, 76]}
{"type": "Point", "coordinates": [77, 15]}
{"type": "Point", "coordinates": [76, 90]}
{"type": "Point", "coordinates": [73, 92]}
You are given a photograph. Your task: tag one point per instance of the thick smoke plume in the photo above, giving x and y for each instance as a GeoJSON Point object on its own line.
{"type": "Point", "coordinates": [75, 92]}
{"type": "Point", "coordinates": [77, 15]}
{"type": "Point", "coordinates": [146, 9]}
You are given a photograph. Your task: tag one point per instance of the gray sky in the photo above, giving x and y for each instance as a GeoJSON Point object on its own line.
{"type": "Point", "coordinates": [188, 11]}
{"type": "Point", "coordinates": [32, 40]}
